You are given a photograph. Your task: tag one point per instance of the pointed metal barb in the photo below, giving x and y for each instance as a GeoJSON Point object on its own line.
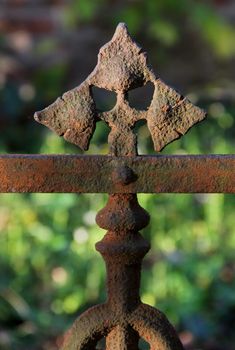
{"type": "Point", "coordinates": [122, 66]}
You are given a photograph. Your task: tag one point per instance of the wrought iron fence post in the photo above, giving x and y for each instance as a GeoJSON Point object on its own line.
{"type": "Point", "coordinates": [123, 249]}
{"type": "Point", "coordinates": [122, 66]}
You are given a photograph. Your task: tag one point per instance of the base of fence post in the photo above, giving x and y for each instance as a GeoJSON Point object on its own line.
{"type": "Point", "coordinates": [123, 319]}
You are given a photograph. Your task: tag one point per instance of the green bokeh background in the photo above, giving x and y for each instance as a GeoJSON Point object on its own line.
{"type": "Point", "coordinates": [49, 269]}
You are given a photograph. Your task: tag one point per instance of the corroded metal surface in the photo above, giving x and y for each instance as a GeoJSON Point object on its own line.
{"type": "Point", "coordinates": [122, 66]}
{"type": "Point", "coordinates": [93, 174]}
{"type": "Point", "coordinates": [123, 319]}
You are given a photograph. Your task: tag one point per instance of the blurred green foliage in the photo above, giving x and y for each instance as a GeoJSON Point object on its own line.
{"type": "Point", "coordinates": [164, 20]}
{"type": "Point", "coordinates": [50, 271]}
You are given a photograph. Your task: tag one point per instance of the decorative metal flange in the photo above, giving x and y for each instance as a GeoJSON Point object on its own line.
{"type": "Point", "coordinates": [122, 66]}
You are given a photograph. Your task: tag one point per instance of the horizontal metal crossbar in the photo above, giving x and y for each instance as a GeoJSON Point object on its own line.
{"type": "Point", "coordinates": [93, 174]}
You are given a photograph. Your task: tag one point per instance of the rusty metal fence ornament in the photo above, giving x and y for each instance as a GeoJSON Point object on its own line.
{"type": "Point", "coordinates": [122, 66]}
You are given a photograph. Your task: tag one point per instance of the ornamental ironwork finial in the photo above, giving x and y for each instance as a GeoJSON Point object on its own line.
{"type": "Point", "coordinates": [122, 66]}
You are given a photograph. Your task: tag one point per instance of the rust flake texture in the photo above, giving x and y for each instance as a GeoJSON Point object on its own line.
{"type": "Point", "coordinates": [122, 66]}
{"type": "Point", "coordinates": [107, 174]}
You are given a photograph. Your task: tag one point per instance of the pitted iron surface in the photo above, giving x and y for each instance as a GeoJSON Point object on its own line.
{"type": "Point", "coordinates": [122, 66]}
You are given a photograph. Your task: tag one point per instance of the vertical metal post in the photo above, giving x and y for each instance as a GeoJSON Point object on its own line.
{"type": "Point", "coordinates": [123, 249]}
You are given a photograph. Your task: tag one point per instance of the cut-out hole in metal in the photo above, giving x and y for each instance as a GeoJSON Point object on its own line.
{"type": "Point", "coordinates": [141, 98]}
{"type": "Point", "coordinates": [104, 99]}
{"type": "Point", "coordinates": [101, 344]}
{"type": "Point", "coordinates": [144, 144]}
{"type": "Point", "coordinates": [100, 135]}
{"type": "Point", "coordinates": [143, 345]}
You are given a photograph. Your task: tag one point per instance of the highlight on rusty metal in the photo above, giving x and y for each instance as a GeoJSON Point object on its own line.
{"type": "Point", "coordinates": [122, 65]}
{"type": "Point", "coordinates": [96, 174]}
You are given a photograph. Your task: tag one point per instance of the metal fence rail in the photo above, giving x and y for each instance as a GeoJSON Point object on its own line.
{"type": "Point", "coordinates": [95, 174]}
